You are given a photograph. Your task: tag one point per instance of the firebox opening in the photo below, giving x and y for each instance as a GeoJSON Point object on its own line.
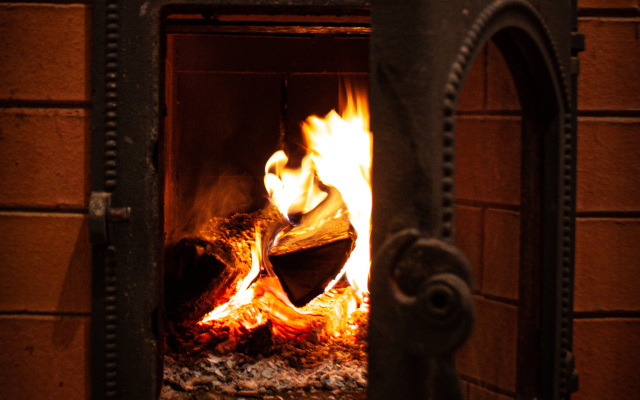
{"type": "Point", "coordinates": [238, 87]}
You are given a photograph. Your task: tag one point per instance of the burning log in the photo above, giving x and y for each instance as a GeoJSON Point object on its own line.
{"type": "Point", "coordinates": [209, 272]}
{"type": "Point", "coordinates": [306, 257]}
{"type": "Point", "coordinates": [327, 223]}
{"type": "Point", "coordinates": [207, 267]}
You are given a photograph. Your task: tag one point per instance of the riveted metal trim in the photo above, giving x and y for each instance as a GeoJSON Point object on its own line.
{"type": "Point", "coordinates": [111, 95]}
{"type": "Point", "coordinates": [570, 377]}
{"type": "Point", "coordinates": [110, 175]}
{"type": "Point", "coordinates": [567, 376]}
{"type": "Point", "coordinates": [111, 324]}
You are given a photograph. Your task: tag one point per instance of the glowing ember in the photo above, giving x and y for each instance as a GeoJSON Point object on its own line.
{"type": "Point", "coordinates": [338, 156]}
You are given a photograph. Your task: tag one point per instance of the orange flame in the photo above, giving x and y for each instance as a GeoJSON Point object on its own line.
{"type": "Point", "coordinates": [244, 292]}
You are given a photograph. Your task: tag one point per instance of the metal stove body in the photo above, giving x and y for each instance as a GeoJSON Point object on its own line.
{"type": "Point", "coordinates": [421, 309]}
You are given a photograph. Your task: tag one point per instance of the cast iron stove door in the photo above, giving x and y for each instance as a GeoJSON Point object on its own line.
{"type": "Point", "coordinates": [421, 309]}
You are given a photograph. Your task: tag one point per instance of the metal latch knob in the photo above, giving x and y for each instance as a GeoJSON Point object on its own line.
{"type": "Point", "coordinates": [101, 214]}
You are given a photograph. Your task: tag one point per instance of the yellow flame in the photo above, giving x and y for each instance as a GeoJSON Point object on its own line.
{"type": "Point", "coordinates": [292, 190]}
{"type": "Point", "coordinates": [339, 155]}
{"type": "Point", "coordinates": [340, 148]}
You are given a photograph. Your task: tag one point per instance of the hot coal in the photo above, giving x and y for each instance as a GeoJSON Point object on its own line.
{"type": "Point", "coordinates": [188, 339]}
{"type": "Point", "coordinates": [255, 342]}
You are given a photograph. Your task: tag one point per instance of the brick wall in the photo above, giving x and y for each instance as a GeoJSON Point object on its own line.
{"type": "Point", "coordinates": [607, 304]}
{"type": "Point", "coordinates": [44, 171]}
{"type": "Point", "coordinates": [45, 296]}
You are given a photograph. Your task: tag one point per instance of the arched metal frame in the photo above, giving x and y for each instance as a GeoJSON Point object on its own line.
{"type": "Point", "coordinates": [420, 55]}
{"type": "Point", "coordinates": [548, 178]}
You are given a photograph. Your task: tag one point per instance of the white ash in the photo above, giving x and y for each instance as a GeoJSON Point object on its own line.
{"type": "Point", "coordinates": [237, 375]}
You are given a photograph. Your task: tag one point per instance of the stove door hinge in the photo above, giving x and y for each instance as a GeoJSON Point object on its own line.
{"type": "Point", "coordinates": [577, 45]}
{"type": "Point", "coordinates": [101, 214]}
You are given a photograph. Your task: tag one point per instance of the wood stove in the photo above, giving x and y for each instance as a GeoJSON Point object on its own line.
{"type": "Point", "coordinates": [419, 57]}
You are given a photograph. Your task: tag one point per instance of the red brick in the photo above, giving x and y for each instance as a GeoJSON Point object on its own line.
{"type": "Point", "coordinates": [44, 158]}
{"type": "Point", "coordinates": [607, 355]}
{"type": "Point", "coordinates": [44, 357]}
{"type": "Point", "coordinates": [607, 3]}
{"type": "Point", "coordinates": [488, 159]}
{"type": "Point", "coordinates": [45, 262]}
{"type": "Point", "coordinates": [473, 91]}
{"type": "Point", "coordinates": [469, 238]}
{"type": "Point", "coordinates": [490, 353]}
{"type": "Point", "coordinates": [609, 66]}
{"type": "Point", "coordinates": [479, 393]}
{"type": "Point", "coordinates": [501, 89]}
{"type": "Point", "coordinates": [501, 263]}
{"type": "Point", "coordinates": [608, 164]}
{"type": "Point", "coordinates": [607, 274]}
{"type": "Point", "coordinates": [45, 52]}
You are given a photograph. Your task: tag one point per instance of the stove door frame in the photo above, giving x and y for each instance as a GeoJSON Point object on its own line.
{"type": "Point", "coordinates": [125, 208]}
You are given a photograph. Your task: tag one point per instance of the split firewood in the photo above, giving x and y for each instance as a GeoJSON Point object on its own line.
{"type": "Point", "coordinates": [308, 256]}
{"type": "Point", "coordinates": [304, 274]}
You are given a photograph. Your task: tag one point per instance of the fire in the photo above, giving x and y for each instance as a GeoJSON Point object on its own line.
{"type": "Point", "coordinates": [262, 299]}
{"type": "Point", "coordinates": [339, 156]}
